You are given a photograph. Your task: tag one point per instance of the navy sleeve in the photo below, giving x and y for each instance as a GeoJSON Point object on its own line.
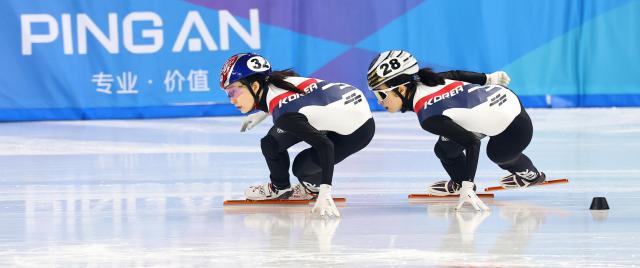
{"type": "Point", "coordinates": [444, 126]}
{"type": "Point", "coordinates": [469, 77]}
{"type": "Point", "coordinates": [298, 125]}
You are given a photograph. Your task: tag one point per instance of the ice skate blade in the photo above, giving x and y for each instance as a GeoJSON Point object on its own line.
{"type": "Point", "coordinates": [430, 196]}
{"type": "Point", "coordinates": [545, 183]}
{"type": "Point", "coordinates": [276, 201]}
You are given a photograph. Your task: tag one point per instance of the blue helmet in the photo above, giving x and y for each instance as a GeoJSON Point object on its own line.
{"type": "Point", "coordinates": [243, 65]}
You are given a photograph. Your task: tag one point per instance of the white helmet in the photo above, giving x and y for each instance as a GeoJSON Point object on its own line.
{"type": "Point", "coordinates": [390, 64]}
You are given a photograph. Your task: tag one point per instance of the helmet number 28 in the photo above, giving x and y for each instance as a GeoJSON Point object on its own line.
{"type": "Point", "coordinates": [389, 66]}
{"type": "Point", "coordinates": [258, 64]}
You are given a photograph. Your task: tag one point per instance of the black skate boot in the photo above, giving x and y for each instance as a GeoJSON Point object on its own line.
{"type": "Point", "coordinates": [445, 188]}
{"type": "Point", "coordinates": [522, 179]}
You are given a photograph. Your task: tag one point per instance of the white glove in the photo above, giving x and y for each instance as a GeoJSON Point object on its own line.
{"type": "Point", "coordinates": [252, 120]}
{"type": "Point", "coordinates": [324, 203]}
{"type": "Point", "coordinates": [498, 78]}
{"type": "Point", "coordinates": [467, 195]}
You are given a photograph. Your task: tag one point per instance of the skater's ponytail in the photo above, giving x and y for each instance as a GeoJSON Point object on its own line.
{"type": "Point", "coordinates": [429, 77]}
{"type": "Point", "coordinates": [277, 78]}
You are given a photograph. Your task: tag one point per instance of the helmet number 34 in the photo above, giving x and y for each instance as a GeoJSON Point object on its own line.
{"type": "Point", "coordinates": [258, 64]}
{"type": "Point", "coordinates": [388, 66]}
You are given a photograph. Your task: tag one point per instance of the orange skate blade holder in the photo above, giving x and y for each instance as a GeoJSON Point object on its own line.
{"type": "Point", "coordinates": [545, 183]}
{"type": "Point", "coordinates": [430, 196]}
{"type": "Point", "coordinates": [277, 201]}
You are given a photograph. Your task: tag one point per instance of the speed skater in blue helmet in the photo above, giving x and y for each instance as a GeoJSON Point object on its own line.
{"type": "Point", "coordinates": [252, 73]}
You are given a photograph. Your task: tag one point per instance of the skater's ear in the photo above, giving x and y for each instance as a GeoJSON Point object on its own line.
{"type": "Point", "coordinates": [255, 86]}
{"type": "Point", "coordinates": [402, 89]}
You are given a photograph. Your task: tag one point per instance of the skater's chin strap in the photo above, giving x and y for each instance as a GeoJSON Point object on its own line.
{"type": "Point", "coordinates": [259, 97]}
{"type": "Point", "coordinates": [407, 101]}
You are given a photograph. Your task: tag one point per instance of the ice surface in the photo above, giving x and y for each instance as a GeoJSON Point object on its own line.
{"type": "Point", "coordinates": [149, 193]}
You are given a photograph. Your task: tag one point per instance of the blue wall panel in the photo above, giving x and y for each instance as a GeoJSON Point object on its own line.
{"type": "Point", "coordinates": [144, 59]}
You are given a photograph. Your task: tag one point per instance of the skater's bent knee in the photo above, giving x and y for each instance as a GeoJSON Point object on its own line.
{"type": "Point", "coordinates": [269, 146]}
{"type": "Point", "coordinates": [444, 154]}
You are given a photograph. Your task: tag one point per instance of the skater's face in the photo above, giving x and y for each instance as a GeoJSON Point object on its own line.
{"type": "Point", "coordinates": [389, 99]}
{"type": "Point", "coordinates": [240, 97]}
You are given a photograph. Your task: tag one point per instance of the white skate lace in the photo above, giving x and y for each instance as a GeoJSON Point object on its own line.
{"type": "Point", "coordinates": [527, 175]}
{"type": "Point", "coordinates": [300, 192]}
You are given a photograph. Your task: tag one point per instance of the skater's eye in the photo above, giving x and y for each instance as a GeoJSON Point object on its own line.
{"type": "Point", "coordinates": [233, 92]}
{"type": "Point", "coordinates": [380, 95]}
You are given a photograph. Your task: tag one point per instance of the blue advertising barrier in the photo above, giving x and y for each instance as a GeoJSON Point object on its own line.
{"type": "Point", "coordinates": [70, 59]}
